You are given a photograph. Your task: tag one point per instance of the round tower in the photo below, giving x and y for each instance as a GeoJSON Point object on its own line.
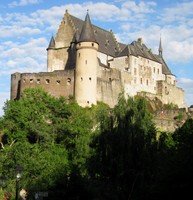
{"type": "Point", "coordinates": [86, 66]}
{"type": "Point", "coordinates": [50, 55]}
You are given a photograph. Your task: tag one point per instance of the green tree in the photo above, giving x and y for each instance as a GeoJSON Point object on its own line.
{"type": "Point", "coordinates": [125, 150]}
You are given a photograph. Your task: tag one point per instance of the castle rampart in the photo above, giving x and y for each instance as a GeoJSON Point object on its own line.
{"type": "Point", "coordinates": [57, 83]}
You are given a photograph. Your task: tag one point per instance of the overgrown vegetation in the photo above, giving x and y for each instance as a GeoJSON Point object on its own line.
{"type": "Point", "coordinates": [92, 153]}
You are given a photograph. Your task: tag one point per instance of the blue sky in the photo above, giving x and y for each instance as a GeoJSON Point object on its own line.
{"type": "Point", "coordinates": [26, 27]}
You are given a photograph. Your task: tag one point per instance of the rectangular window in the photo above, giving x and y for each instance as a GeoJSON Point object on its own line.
{"type": "Point", "coordinates": [135, 71]}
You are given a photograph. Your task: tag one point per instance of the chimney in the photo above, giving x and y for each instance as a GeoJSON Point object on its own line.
{"type": "Point", "coordinates": [140, 41]}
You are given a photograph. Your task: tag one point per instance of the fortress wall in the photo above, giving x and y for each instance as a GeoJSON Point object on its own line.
{"type": "Point", "coordinates": [120, 63]}
{"type": "Point", "coordinates": [103, 57]}
{"type": "Point", "coordinates": [57, 59]}
{"type": "Point", "coordinates": [57, 83]}
{"type": "Point", "coordinates": [171, 94]}
{"type": "Point", "coordinates": [167, 125]}
{"type": "Point", "coordinates": [109, 86]}
{"type": "Point", "coordinates": [15, 86]}
{"type": "Point", "coordinates": [171, 79]}
{"type": "Point", "coordinates": [166, 120]}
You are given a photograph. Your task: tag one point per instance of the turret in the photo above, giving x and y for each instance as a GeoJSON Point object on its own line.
{"type": "Point", "coordinates": [50, 53]}
{"type": "Point", "coordinates": [86, 66]}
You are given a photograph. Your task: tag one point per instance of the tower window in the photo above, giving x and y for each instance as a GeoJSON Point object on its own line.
{"type": "Point", "coordinates": [38, 81]}
{"type": "Point", "coordinates": [92, 44]}
{"type": "Point", "coordinates": [141, 81]}
{"type": "Point", "coordinates": [90, 78]}
{"type": "Point", "coordinates": [58, 82]}
{"type": "Point", "coordinates": [86, 62]}
{"type": "Point", "coordinates": [79, 55]}
{"type": "Point", "coordinates": [81, 79]}
{"type": "Point", "coordinates": [147, 82]}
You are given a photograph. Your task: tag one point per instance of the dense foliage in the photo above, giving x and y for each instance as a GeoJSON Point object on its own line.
{"type": "Point", "coordinates": [92, 153]}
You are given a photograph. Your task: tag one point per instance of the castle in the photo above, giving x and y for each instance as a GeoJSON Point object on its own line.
{"type": "Point", "coordinates": [88, 63]}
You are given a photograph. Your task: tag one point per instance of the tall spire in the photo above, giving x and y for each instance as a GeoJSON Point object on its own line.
{"type": "Point", "coordinates": [87, 33]}
{"type": "Point", "coordinates": [160, 47]}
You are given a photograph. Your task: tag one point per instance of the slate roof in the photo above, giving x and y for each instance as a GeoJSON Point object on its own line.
{"type": "Point", "coordinates": [138, 49]}
{"type": "Point", "coordinates": [87, 33]}
{"type": "Point", "coordinates": [108, 44]}
{"type": "Point", "coordinates": [165, 68]}
{"type": "Point", "coordinates": [105, 39]}
{"type": "Point", "coordinates": [52, 43]}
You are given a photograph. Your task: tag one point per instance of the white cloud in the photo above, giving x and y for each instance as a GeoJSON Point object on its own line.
{"type": "Point", "coordinates": [187, 81]}
{"type": "Point", "coordinates": [22, 3]}
{"type": "Point", "coordinates": [180, 14]}
{"type": "Point", "coordinates": [27, 57]}
{"type": "Point", "coordinates": [142, 7]}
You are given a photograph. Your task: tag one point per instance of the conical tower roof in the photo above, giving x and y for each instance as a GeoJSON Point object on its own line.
{"type": "Point", "coordinates": [87, 33]}
{"type": "Point", "coordinates": [52, 43]}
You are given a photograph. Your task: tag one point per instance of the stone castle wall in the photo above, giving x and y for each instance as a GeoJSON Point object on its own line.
{"type": "Point", "coordinates": [57, 83]}
{"type": "Point", "coordinates": [169, 93]}
{"type": "Point", "coordinates": [170, 120]}
{"type": "Point", "coordinates": [109, 86]}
